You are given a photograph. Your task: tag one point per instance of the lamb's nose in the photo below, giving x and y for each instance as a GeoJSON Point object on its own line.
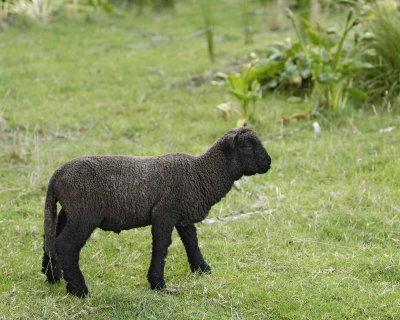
{"type": "Point", "coordinates": [268, 161]}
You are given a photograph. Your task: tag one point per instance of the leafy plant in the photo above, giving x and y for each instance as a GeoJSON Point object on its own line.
{"type": "Point", "coordinates": [320, 63]}
{"type": "Point", "coordinates": [332, 66]}
{"type": "Point", "coordinates": [333, 70]}
{"type": "Point", "coordinates": [247, 91]}
{"type": "Point", "coordinates": [285, 67]}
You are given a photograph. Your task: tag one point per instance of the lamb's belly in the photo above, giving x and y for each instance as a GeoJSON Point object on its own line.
{"type": "Point", "coordinates": [125, 221]}
{"type": "Point", "coordinates": [109, 224]}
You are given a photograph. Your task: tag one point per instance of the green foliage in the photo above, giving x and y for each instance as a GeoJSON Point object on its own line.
{"type": "Point", "coordinates": [382, 82]}
{"type": "Point", "coordinates": [332, 68]}
{"type": "Point", "coordinates": [386, 29]}
{"type": "Point", "coordinates": [284, 66]}
{"type": "Point", "coordinates": [322, 64]}
{"type": "Point", "coordinates": [247, 91]}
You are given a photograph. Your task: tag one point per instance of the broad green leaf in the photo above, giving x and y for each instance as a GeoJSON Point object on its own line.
{"type": "Point", "coordinates": [237, 83]}
{"type": "Point", "coordinates": [257, 73]}
{"type": "Point", "coordinates": [239, 95]}
{"type": "Point", "coordinates": [357, 93]}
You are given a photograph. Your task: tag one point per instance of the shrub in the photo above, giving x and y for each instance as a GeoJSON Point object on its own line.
{"type": "Point", "coordinates": [382, 82]}
{"type": "Point", "coordinates": [321, 63]}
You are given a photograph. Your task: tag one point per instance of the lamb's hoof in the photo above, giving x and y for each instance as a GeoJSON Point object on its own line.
{"type": "Point", "coordinates": [52, 279]}
{"type": "Point", "coordinates": [80, 292]}
{"type": "Point", "coordinates": [157, 285]}
{"type": "Point", "coordinates": [202, 269]}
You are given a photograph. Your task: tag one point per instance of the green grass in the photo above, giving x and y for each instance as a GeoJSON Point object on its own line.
{"type": "Point", "coordinates": [102, 85]}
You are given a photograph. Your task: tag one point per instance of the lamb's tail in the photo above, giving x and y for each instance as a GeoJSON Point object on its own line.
{"type": "Point", "coordinates": [50, 221]}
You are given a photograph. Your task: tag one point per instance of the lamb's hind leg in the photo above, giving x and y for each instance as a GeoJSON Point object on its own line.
{"type": "Point", "coordinates": [50, 267]}
{"type": "Point", "coordinates": [68, 246]}
{"type": "Point", "coordinates": [188, 235]}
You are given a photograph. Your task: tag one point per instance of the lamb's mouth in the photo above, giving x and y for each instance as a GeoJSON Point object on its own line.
{"type": "Point", "coordinates": [264, 167]}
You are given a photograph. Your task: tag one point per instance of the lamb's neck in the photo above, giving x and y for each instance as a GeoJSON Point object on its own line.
{"type": "Point", "coordinates": [216, 174]}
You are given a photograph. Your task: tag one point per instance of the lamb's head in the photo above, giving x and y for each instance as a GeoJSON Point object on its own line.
{"type": "Point", "coordinates": [248, 151]}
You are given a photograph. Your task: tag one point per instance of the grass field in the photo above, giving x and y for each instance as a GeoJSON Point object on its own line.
{"type": "Point", "coordinates": [329, 247]}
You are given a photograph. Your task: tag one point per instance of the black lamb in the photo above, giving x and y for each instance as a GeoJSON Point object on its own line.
{"type": "Point", "coordinates": [117, 193]}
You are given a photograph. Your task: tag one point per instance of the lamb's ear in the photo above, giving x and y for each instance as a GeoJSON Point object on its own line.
{"type": "Point", "coordinates": [234, 140]}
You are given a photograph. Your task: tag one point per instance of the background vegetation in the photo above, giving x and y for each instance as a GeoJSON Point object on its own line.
{"type": "Point", "coordinates": [97, 77]}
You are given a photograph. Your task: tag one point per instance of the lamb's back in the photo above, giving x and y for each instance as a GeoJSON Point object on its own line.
{"type": "Point", "coordinates": [118, 185]}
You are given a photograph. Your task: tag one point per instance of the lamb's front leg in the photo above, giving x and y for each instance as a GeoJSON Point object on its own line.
{"type": "Point", "coordinates": [161, 234]}
{"type": "Point", "coordinates": [189, 238]}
